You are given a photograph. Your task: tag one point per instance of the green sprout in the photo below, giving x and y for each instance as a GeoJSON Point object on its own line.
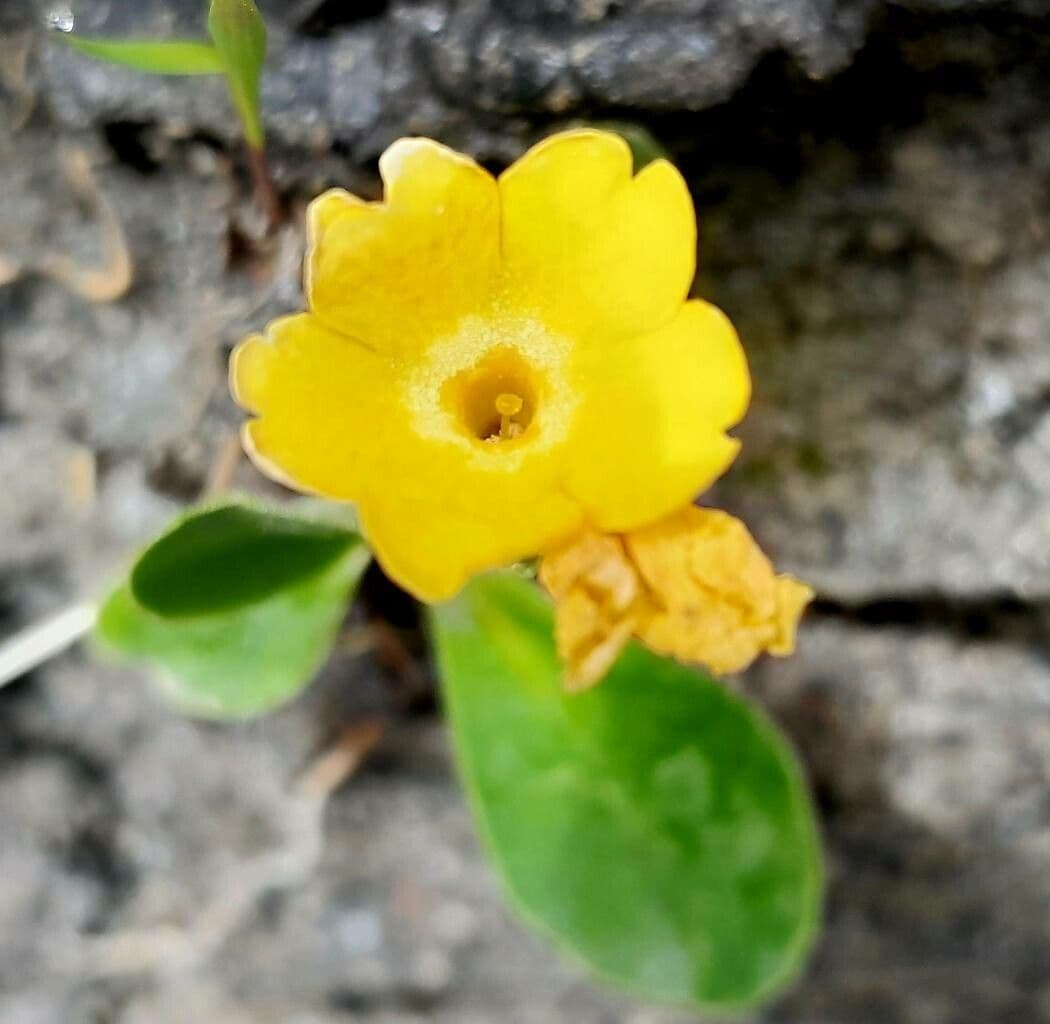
{"type": "Point", "coordinates": [237, 50]}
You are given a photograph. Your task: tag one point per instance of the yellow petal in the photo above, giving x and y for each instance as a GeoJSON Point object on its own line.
{"type": "Point", "coordinates": [468, 524]}
{"type": "Point", "coordinates": [650, 432]}
{"type": "Point", "coordinates": [401, 273]}
{"type": "Point", "coordinates": [437, 502]}
{"type": "Point", "coordinates": [332, 418]}
{"type": "Point", "coordinates": [322, 402]}
{"type": "Point", "coordinates": [595, 252]}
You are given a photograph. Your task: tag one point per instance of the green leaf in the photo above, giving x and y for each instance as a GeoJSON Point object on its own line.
{"type": "Point", "coordinates": [244, 662]}
{"type": "Point", "coordinates": [656, 826]}
{"type": "Point", "coordinates": [645, 148]}
{"type": "Point", "coordinates": [155, 57]}
{"type": "Point", "coordinates": [239, 33]}
{"type": "Point", "coordinates": [218, 559]}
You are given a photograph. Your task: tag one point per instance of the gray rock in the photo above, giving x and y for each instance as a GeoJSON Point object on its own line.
{"type": "Point", "coordinates": [896, 325]}
{"type": "Point", "coordinates": [125, 376]}
{"type": "Point", "coordinates": [929, 753]}
{"type": "Point", "coordinates": [49, 487]}
{"type": "Point", "coordinates": [420, 67]}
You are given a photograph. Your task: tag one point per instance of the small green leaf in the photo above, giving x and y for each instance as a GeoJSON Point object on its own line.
{"type": "Point", "coordinates": [244, 662]}
{"type": "Point", "coordinates": [239, 33]}
{"type": "Point", "coordinates": [155, 57]}
{"type": "Point", "coordinates": [218, 559]}
{"type": "Point", "coordinates": [657, 826]}
{"type": "Point", "coordinates": [644, 145]}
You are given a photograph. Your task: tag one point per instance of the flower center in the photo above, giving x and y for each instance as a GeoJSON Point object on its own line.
{"type": "Point", "coordinates": [494, 401]}
{"type": "Point", "coordinates": [498, 389]}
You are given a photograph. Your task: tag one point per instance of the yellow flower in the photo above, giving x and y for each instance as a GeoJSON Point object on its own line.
{"type": "Point", "coordinates": [694, 585]}
{"type": "Point", "coordinates": [490, 366]}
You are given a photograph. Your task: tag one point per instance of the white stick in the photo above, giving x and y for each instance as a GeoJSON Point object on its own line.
{"type": "Point", "coordinates": [35, 644]}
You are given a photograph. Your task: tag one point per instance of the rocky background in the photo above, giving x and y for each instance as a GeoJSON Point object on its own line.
{"type": "Point", "coordinates": [873, 180]}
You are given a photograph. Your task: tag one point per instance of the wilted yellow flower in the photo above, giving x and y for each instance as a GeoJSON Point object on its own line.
{"type": "Point", "coordinates": [694, 585]}
{"type": "Point", "coordinates": [490, 365]}
{"type": "Point", "coordinates": [600, 603]}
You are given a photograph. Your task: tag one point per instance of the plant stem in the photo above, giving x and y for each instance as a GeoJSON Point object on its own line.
{"type": "Point", "coordinates": [35, 644]}
{"type": "Point", "coordinates": [265, 193]}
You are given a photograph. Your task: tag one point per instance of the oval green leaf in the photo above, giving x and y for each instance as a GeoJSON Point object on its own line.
{"type": "Point", "coordinates": [656, 826]}
{"type": "Point", "coordinates": [243, 662]}
{"type": "Point", "coordinates": [239, 33]}
{"type": "Point", "coordinates": [221, 558]}
{"type": "Point", "coordinates": [175, 57]}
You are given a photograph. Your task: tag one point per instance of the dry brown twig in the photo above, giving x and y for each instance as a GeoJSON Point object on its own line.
{"type": "Point", "coordinates": [223, 467]}
{"type": "Point", "coordinates": [96, 284]}
{"type": "Point", "coordinates": [265, 193]}
{"type": "Point", "coordinates": [14, 65]}
{"type": "Point", "coordinates": [105, 283]}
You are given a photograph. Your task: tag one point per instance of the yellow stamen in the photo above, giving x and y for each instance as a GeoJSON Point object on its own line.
{"type": "Point", "coordinates": [508, 406]}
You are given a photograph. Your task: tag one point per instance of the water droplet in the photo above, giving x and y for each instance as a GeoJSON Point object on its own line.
{"type": "Point", "coordinates": [60, 19]}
